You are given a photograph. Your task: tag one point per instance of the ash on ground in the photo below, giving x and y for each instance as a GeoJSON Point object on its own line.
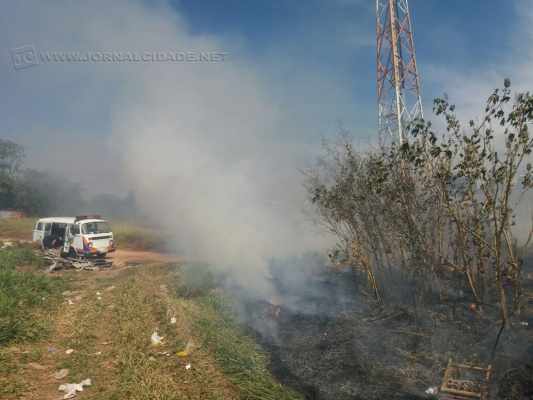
{"type": "Point", "coordinates": [329, 342]}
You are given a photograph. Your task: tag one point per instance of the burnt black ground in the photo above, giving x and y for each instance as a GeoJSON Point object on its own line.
{"type": "Point", "coordinates": [328, 344]}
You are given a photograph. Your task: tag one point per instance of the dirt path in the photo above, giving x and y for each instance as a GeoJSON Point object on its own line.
{"type": "Point", "coordinates": [106, 319]}
{"type": "Point", "coordinates": [122, 257]}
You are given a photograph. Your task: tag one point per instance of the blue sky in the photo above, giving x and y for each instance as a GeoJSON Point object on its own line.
{"type": "Point", "coordinates": [310, 63]}
{"type": "Point", "coordinates": [463, 35]}
{"type": "Point", "coordinates": [214, 151]}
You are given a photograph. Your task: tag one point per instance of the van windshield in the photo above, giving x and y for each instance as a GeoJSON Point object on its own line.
{"type": "Point", "coordinates": [95, 227]}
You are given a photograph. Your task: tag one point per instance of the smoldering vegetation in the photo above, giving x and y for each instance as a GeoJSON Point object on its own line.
{"type": "Point", "coordinates": [427, 266]}
{"type": "Point", "coordinates": [328, 340]}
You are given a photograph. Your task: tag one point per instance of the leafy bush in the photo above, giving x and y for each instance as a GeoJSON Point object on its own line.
{"type": "Point", "coordinates": [438, 209]}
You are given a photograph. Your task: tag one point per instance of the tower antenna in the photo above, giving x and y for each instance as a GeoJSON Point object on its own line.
{"type": "Point", "coordinates": [398, 81]}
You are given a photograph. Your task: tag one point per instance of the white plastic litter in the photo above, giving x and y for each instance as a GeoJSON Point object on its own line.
{"type": "Point", "coordinates": [188, 366]}
{"type": "Point", "coordinates": [524, 323]}
{"type": "Point", "coordinates": [71, 389]}
{"type": "Point", "coordinates": [173, 320]}
{"type": "Point", "coordinates": [156, 339]}
{"type": "Point", "coordinates": [70, 302]}
{"type": "Point", "coordinates": [62, 373]}
{"type": "Point", "coordinates": [432, 390]}
{"type": "Point", "coordinates": [69, 351]}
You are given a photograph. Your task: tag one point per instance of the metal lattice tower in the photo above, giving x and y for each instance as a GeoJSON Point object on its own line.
{"type": "Point", "coordinates": [399, 100]}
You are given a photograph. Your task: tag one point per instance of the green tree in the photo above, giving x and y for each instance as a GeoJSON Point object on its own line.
{"type": "Point", "coordinates": [11, 160]}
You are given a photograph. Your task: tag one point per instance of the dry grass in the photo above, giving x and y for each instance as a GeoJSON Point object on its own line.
{"type": "Point", "coordinates": [132, 236]}
{"type": "Point", "coordinates": [17, 228]}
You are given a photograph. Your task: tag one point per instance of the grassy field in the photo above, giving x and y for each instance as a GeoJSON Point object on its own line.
{"type": "Point", "coordinates": [128, 235]}
{"type": "Point", "coordinates": [107, 319]}
{"type": "Point", "coordinates": [28, 300]}
{"type": "Point", "coordinates": [131, 236]}
{"type": "Point", "coordinates": [23, 294]}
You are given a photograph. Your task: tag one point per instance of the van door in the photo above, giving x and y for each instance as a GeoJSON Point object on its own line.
{"type": "Point", "coordinates": [77, 241]}
{"type": "Point", "coordinates": [38, 232]}
{"type": "Point", "coordinates": [67, 239]}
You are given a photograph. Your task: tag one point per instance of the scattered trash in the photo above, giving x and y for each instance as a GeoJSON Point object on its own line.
{"type": "Point", "coordinates": [173, 320]}
{"type": "Point", "coordinates": [188, 366]}
{"type": "Point", "coordinates": [56, 261]}
{"type": "Point", "coordinates": [156, 339]}
{"type": "Point", "coordinates": [98, 293]}
{"type": "Point", "coordinates": [69, 351]}
{"type": "Point", "coordinates": [51, 349]}
{"type": "Point", "coordinates": [70, 302]}
{"type": "Point", "coordinates": [62, 373]}
{"type": "Point", "coordinates": [71, 389]}
{"type": "Point", "coordinates": [151, 358]}
{"type": "Point", "coordinates": [78, 297]}
{"type": "Point", "coordinates": [35, 365]}
{"type": "Point", "coordinates": [189, 348]}
{"type": "Point", "coordinates": [432, 390]}
{"type": "Point", "coordinates": [67, 293]}
{"type": "Point", "coordinates": [108, 289]}
{"type": "Point", "coordinates": [524, 323]}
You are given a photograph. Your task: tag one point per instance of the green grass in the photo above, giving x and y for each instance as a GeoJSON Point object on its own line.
{"type": "Point", "coordinates": [194, 280]}
{"type": "Point", "coordinates": [130, 236]}
{"type": "Point", "coordinates": [23, 293]}
{"type": "Point", "coordinates": [237, 354]}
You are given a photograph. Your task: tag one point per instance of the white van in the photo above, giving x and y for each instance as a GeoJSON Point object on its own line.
{"type": "Point", "coordinates": [76, 236]}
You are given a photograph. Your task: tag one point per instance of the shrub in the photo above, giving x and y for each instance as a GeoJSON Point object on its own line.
{"type": "Point", "coordinates": [436, 212]}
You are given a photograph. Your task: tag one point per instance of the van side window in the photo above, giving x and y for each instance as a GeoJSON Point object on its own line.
{"type": "Point", "coordinates": [39, 226]}
{"type": "Point", "coordinates": [75, 229]}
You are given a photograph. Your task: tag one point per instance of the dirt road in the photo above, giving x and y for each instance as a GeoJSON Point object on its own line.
{"type": "Point", "coordinates": [102, 331]}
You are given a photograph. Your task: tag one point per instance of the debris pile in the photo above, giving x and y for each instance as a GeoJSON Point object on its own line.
{"type": "Point", "coordinates": [56, 261]}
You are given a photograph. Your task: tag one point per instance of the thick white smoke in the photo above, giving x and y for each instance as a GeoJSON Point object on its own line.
{"type": "Point", "coordinates": [203, 146]}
